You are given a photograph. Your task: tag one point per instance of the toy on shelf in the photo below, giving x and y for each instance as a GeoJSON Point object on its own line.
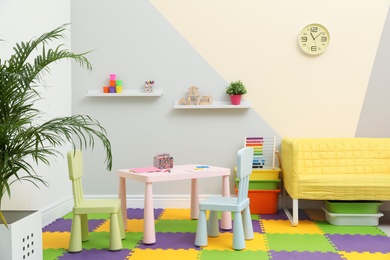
{"type": "Point", "coordinates": [193, 98]}
{"type": "Point", "coordinates": [264, 151]}
{"type": "Point", "coordinates": [149, 86]}
{"type": "Point", "coordinates": [115, 86]}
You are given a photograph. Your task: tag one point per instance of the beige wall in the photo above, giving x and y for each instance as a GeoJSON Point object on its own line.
{"type": "Point", "coordinates": [256, 41]}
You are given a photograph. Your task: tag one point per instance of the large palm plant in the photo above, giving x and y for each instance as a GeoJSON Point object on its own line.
{"type": "Point", "coordinates": [25, 139]}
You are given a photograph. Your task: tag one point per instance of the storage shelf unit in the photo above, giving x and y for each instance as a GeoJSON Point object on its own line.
{"type": "Point", "coordinates": [125, 93]}
{"type": "Point", "coordinates": [214, 105]}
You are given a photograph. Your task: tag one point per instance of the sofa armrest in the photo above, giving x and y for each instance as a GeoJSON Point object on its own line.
{"type": "Point", "coordinates": [290, 165]}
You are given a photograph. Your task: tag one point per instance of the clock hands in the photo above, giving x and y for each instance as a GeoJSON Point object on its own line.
{"type": "Point", "coordinates": [317, 36]}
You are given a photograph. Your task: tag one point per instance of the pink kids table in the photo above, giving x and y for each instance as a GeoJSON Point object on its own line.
{"type": "Point", "coordinates": [178, 172]}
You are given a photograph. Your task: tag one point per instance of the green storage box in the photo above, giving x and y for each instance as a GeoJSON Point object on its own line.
{"type": "Point", "coordinates": [352, 207]}
{"type": "Point", "coordinates": [262, 184]}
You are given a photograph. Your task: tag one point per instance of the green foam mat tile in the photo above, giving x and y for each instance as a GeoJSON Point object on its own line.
{"type": "Point", "coordinates": [100, 240]}
{"type": "Point", "coordinates": [328, 228]}
{"type": "Point", "coordinates": [90, 216]}
{"type": "Point", "coordinates": [176, 226]}
{"type": "Point", "coordinates": [53, 253]}
{"type": "Point", "coordinates": [299, 242]}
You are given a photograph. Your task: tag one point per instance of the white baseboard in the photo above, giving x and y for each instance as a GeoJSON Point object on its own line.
{"type": "Point", "coordinates": [61, 208]}
{"type": "Point", "coordinates": [56, 210]}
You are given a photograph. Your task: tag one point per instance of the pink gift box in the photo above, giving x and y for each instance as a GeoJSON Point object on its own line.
{"type": "Point", "coordinates": [163, 161]}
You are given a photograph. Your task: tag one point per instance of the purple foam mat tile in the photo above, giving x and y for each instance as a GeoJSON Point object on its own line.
{"type": "Point", "coordinates": [281, 215]}
{"type": "Point", "coordinates": [64, 225]}
{"type": "Point", "coordinates": [361, 243]}
{"type": "Point", "coordinates": [256, 226]}
{"type": "Point", "coordinates": [255, 223]}
{"type": "Point", "coordinates": [104, 254]}
{"type": "Point", "coordinates": [172, 241]}
{"type": "Point", "coordinates": [283, 255]}
{"type": "Point", "coordinates": [138, 213]}
{"type": "Point", "coordinates": [60, 225]}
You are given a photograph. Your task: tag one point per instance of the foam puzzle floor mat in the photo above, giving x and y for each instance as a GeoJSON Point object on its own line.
{"type": "Point", "coordinates": [274, 239]}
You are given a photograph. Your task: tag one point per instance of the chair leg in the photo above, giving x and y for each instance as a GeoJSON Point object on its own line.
{"type": "Point", "coordinates": [84, 227]}
{"type": "Point", "coordinates": [121, 225]}
{"type": "Point", "coordinates": [201, 230]}
{"type": "Point", "coordinates": [247, 220]}
{"type": "Point", "coordinates": [213, 227]}
{"type": "Point", "coordinates": [75, 244]}
{"type": "Point", "coordinates": [238, 232]}
{"type": "Point", "coordinates": [115, 233]}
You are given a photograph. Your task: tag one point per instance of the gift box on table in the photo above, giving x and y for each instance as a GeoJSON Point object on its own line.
{"type": "Point", "coordinates": [163, 161]}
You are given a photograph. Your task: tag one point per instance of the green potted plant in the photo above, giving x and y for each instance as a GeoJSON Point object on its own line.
{"type": "Point", "coordinates": [26, 141]}
{"type": "Point", "coordinates": [236, 89]}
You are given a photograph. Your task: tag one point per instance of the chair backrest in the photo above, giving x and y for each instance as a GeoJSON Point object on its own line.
{"type": "Point", "coordinates": [75, 168]}
{"type": "Point", "coordinates": [244, 169]}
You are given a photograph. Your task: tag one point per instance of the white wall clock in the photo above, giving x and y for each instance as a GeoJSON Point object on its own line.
{"type": "Point", "coordinates": [314, 39]}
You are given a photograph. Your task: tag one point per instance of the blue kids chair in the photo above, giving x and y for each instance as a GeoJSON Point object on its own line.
{"type": "Point", "coordinates": [239, 206]}
{"type": "Point", "coordinates": [79, 231]}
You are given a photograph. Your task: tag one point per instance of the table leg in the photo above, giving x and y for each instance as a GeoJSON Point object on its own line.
{"type": "Point", "coordinates": [149, 229]}
{"type": "Point", "coordinates": [226, 218]}
{"type": "Point", "coordinates": [122, 197]}
{"type": "Point", "coordinates": [194, 199]}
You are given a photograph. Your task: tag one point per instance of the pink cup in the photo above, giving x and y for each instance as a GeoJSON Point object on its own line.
{"type": "Point", "coordinates": [112, 76]}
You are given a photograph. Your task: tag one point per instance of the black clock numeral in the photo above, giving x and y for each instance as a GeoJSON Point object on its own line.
{"type": "Point", "coordinates": [324, 38]}
{"type": "Point", "coordinates": [303, 39]}
{"type": "Point", "coordinates": [313, 48]}
{"type": "Point", "coordinates": [314, 29]}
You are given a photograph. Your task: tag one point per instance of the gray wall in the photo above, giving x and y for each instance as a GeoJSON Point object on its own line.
{"type": "Point", "coordinates": [139, 47]}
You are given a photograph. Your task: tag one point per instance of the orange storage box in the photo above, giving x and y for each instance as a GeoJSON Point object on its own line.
{"type": "Point", "coordinates": [263, 201]}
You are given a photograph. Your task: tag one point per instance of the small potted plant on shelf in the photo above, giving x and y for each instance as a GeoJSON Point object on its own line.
{"type": "Point", "coordinates": [236, 89]}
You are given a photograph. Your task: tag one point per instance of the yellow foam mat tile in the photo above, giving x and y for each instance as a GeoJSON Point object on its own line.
{"type": "Point", "coordinates": [364, 256]}
{"type": "Point", "coordinates": [55, 240]}
{"type": "Point", "coordinates": [176, 214]}
{"type": "Point", "coordinates": [160, 254]}
{"type": "Point", "coordinates": [284, 227]}
{"type": "Point", "coordinates": [225, 242]}
{"type": "Point", "coordinates": [316, 214]}
{"type": "Point", "coordinates": [133, 225]}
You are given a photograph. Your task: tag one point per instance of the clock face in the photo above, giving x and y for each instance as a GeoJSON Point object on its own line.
{"type": "Point", "coordinates": [314, 39]}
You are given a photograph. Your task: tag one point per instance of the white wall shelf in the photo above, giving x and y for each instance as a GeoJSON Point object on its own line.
{"type": "Point", "coordinates": [215, 105]}
{"type": "Point", "coordinates": [125, 93]}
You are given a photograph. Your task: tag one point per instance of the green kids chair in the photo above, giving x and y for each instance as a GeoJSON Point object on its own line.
{"type": "Point", "coordinates": [79, 231]}
{"type": "Point", "coordinates": [239, 206]}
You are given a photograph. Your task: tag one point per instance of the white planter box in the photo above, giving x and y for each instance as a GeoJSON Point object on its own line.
{"type": "Point", "coordinates": [23, 238]}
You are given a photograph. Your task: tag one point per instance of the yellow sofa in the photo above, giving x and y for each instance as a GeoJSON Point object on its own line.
{"type": "Point", "coordinates": [334, 169]}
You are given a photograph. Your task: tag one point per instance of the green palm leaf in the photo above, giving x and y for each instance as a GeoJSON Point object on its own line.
{"type": "Point", "coordinates": [23, 135]}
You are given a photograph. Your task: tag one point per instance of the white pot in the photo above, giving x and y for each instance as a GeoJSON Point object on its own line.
{"type": "Point", "coordinates": [23, 238]}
